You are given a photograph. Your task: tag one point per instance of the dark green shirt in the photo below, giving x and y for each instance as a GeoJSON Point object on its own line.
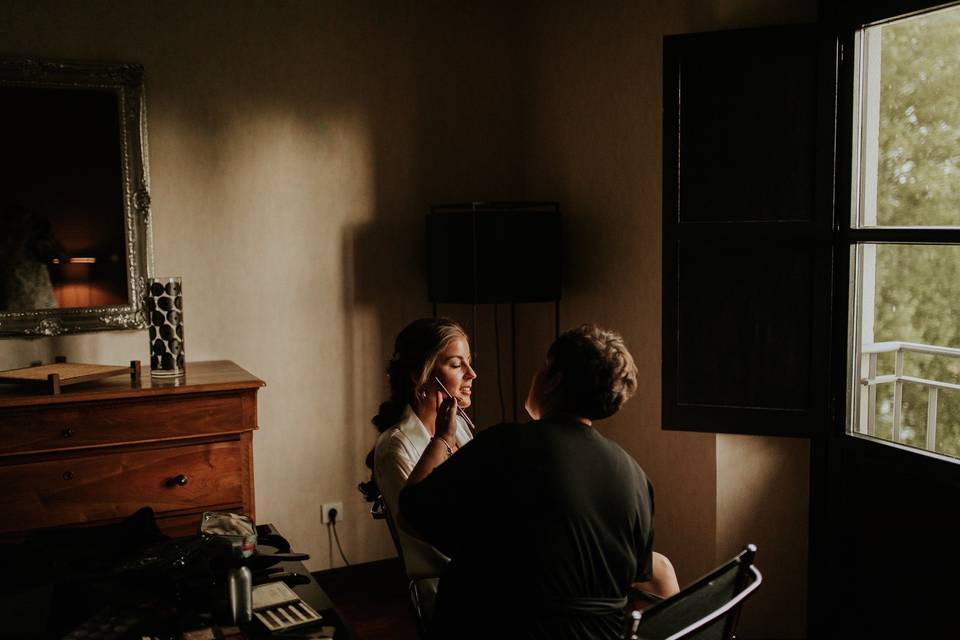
{"type": "Point", "coordinates": [543, 522]}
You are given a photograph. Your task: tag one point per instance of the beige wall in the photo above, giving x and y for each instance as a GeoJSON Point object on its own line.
{"type": "Point", "coordinates": [762, 498]}
{"type": "Point", "coordinates": [294, 149]}
{"type": "Point", "coordinates": [593, 140]}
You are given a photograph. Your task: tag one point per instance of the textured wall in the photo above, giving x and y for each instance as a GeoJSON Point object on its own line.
{"type": "Point", "coordinates": [592, 136]}
{"type": "Point", "coordinates": [762, 498]}
{"type": "Point", "coordinates": [294, 148]}
{"type": "Point", "coordinates": [593, 140]}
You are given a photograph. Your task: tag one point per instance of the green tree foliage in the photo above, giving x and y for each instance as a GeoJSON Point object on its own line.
{"type": "Point", "coordinates": [918, 183]}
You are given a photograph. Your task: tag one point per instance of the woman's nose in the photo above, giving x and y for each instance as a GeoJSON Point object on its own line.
{"type": "Point", "coordinates": [471, 372]}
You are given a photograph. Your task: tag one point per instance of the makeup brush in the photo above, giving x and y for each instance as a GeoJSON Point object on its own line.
{"type": "Point", "coordinates": [459, 410]}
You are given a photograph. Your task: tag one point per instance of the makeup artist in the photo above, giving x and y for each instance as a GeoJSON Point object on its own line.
{"type": "Point", "coordinates": [426, 350]}
{"type": "Point", "coordinates": [546, 523]}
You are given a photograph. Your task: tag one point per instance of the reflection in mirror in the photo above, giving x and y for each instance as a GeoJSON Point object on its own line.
{"type": "Point", "coordinates": [62, 200]}
{"type": "Point", "coordinates": [74, 204]}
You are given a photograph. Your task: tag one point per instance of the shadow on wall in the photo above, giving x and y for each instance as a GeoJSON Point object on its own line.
{"type": "Point", "coordinates": [429, 84]}
{"type": "Point", "coordinates": [730, 14]}
{"type": "Point", "coordinates": [255, 180]}
{"type": "Point", "coordinates": [444, 132]}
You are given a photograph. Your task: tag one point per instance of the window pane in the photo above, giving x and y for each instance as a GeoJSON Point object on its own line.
{"type": "Point", "coordinates": [907, 357]}
{"type": "Point", "coordinates": [909, 152]}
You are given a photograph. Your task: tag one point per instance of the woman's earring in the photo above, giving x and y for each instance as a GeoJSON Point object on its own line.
{"type": "Point", "coordinates": [423, 394]}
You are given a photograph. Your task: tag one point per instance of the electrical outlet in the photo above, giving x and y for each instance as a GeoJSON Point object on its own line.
{"type": "Point", "coordinates": [325, 511]}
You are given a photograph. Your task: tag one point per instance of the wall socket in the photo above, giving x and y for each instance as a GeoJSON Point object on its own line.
{"type": "Point", "coordinates": [325, 511]}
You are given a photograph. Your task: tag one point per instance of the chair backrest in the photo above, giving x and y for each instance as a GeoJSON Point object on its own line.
{"type": "Point", "coordinates": [708, 609]}
{"type": "Point", "coordinates": [380, 511]}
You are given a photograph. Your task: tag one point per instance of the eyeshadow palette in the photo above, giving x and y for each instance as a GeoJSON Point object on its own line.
{"type": "Point", "coordinates": [279, 608]}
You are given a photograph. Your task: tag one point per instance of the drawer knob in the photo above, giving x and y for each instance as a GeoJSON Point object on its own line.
{"type": "Point", "coordinates": [66, 433]}
{"type": "Point", "coordinates": [68, 475]}
{"type": "Point", "coordinates": [180, 480]}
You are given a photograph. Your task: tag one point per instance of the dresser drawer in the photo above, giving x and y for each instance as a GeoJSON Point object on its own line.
{"type": "Point", "coordinates": [94, 424]}
{"type": "Point", "coordinates": [101, 487]}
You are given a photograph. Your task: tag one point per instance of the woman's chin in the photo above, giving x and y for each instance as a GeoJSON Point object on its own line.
{"type": "Point", "coordinates": [463, 402]}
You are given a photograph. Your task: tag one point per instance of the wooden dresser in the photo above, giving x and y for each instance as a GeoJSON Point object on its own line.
{"type": "Point", "coordinates": [100, 450]}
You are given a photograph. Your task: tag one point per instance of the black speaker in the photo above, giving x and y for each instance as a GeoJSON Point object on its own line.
{"type": "Point", "coordinates": [494, 252]}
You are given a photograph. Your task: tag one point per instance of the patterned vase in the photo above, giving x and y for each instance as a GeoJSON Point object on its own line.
{"type": "Point", "coordinates": [164, 303]}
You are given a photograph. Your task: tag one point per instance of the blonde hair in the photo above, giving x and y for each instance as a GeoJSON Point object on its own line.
{"type": "Point", "coordinates": [415, 354]}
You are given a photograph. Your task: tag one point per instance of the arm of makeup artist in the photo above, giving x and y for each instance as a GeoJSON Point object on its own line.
{"type": "Point", "coordinates": [664, 581]}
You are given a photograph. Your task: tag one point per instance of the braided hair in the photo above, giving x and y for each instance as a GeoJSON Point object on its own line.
{"type": "Point", "coordinates": [415, 354]}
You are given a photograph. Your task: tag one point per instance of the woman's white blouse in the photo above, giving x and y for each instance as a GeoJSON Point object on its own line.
{"type": "Point", "coordinates": [397, 452]}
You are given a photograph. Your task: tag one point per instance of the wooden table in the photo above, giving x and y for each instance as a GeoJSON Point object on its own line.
{"type": "Point", "coordinates": [100, 450]}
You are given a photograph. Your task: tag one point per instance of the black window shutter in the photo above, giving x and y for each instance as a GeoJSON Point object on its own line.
{"type": "Point", "coordinates": [747, 247]}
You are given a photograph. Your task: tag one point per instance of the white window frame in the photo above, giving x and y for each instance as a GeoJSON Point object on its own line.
{"type": "Point", "coordinates": [861, 397]}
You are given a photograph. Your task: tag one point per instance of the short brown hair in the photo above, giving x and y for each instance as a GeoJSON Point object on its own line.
{"type": "Point", "coordinates": [597, 371]}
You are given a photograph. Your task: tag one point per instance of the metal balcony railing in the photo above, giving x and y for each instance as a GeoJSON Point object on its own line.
{"type": "Point", "coordinates": [869, 382]}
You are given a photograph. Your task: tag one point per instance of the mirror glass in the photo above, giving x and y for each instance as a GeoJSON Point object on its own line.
{"type": "Point", "coordinates": [74, 203]}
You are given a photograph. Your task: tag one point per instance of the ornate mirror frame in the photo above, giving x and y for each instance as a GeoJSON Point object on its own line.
{"type": "Point", "coordinates": [126, 81]}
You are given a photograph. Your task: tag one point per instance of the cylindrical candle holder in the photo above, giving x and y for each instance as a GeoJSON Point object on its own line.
{"type": "Point", "coordinates": [164, 302]}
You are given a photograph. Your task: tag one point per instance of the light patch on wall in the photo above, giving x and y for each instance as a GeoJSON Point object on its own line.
{"type": "Point", "coordinates": [280, 195]}
{"type": "Point", "coordinates": [773, 514]}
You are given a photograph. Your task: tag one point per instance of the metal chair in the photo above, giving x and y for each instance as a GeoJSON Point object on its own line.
{"type": "Point", "coordinates": [379, 511]}
{"type": "Point", "coordinates": [708, 609]}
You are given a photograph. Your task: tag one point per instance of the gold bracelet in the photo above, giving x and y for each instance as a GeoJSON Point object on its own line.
{"type": "Point", "coordinates": [445, 443]}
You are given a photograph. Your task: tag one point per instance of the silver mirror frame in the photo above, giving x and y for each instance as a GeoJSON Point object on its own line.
{"type": "Point", "coordinates": [126, 80]}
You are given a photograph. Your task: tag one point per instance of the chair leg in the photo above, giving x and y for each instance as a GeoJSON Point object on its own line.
{"type": "Point", "coordinates": [417, 610]}
{"type": "Point", "coordinates": [633, 625]}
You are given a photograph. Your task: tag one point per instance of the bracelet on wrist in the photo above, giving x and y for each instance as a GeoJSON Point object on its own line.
{"type": "Point", "coordinates": [445, 444]}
